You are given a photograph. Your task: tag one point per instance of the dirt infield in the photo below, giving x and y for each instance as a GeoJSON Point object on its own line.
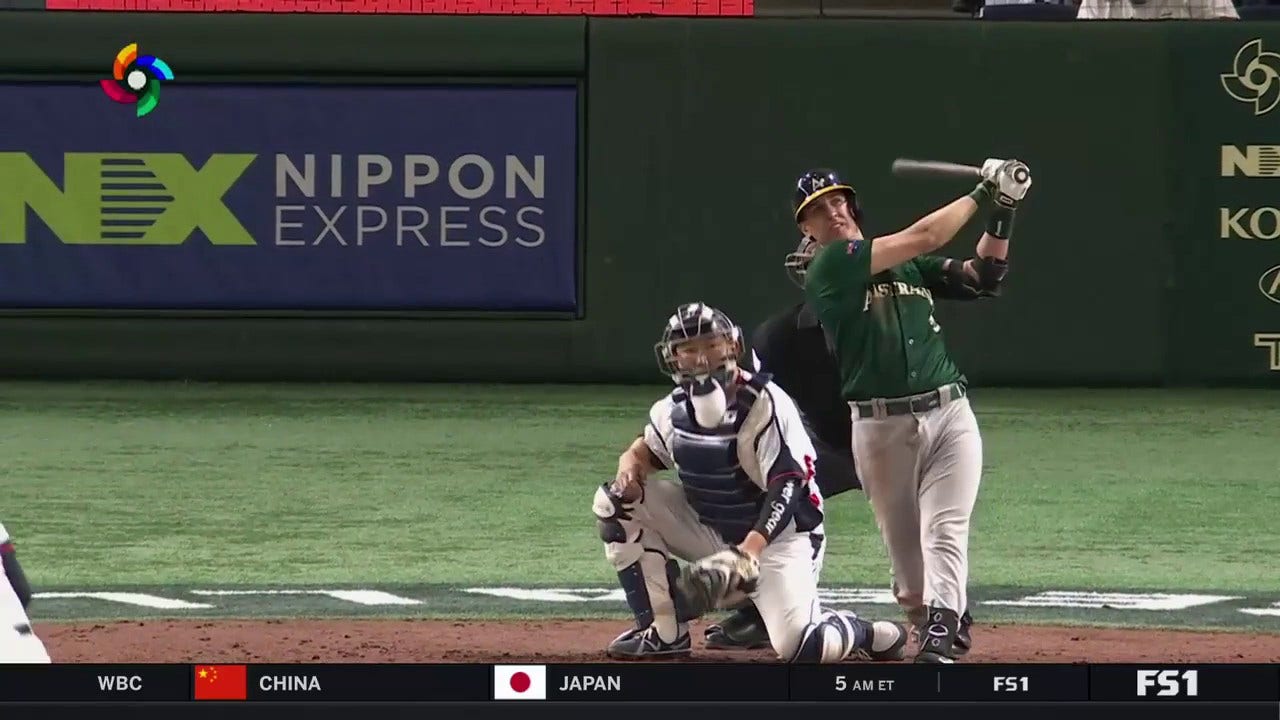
{"type": "Point", "coordinates": [427, 641]}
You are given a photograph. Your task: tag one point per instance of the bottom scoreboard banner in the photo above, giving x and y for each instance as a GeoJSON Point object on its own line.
{"type": "Point", "coordinates": [680, 682]}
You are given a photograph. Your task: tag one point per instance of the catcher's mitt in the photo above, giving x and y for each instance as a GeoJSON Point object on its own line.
{"type": "Point", "coordinates": [717, 582]}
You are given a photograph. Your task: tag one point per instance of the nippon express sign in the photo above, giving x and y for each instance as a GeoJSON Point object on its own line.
{"type": "Point", "coordinates": [162, 199]}
{"type": "Point", "coordinates": [291, 197]}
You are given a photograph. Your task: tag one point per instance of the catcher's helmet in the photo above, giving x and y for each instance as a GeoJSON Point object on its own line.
{"type": "Point", "coordinates": [694, 321]}
{"type": "Point", "coordinates": [818, 182]}
{"type": "Point", "coordinates": [797, 261]}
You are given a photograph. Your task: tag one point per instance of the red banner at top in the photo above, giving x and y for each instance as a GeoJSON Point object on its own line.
{"type": "Point", "coordinates": [709, 8]}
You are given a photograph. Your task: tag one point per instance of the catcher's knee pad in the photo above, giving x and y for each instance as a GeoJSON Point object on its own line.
{"type": "Point", "coordinates": [830, 640]}
{"type": "Point", "coordinates": [613, 520]}
{"type": "Point", "coordinates": [611, 531]}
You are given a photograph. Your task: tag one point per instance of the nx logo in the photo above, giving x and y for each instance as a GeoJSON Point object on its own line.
{"type": "Point", "coordinates": [1249, 223]}
{"type": "Point", "coordinates": [1269, 284]}
{"type": "Point", "coordinates": [122, 199]}
{"type": "Point", "coordinates": [1171, 683]}
{"type": "Point", "coordinates": [1254, 161]}
{"type": "Point", "coordinates": [1254, 77]}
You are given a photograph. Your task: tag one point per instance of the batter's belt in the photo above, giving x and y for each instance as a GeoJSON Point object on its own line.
{"type": "Point", "coordinates": [888, 407]}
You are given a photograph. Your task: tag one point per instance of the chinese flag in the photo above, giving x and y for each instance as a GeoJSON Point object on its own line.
{"type": "Point", "coordinates": [220, 682]}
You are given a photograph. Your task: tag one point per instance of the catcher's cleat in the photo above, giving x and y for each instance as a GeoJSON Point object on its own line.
{"type": "Point", "coordinates": [644, 644]}
{"type": "Point", "coordinates": [964, 639]}
{"type": "Point", "coordinates": [890, 637]}
{"type": "Point", "coordinates": [743, 630]}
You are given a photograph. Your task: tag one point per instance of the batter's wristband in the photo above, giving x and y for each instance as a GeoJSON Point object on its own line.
{"type": "Point", "coordinates": [982, 195]}
{"type": "Point", "coordinates": [1000, 222]}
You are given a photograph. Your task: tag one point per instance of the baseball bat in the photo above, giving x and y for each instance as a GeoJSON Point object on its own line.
{"type": "Point", "coordinates": [935, 168]}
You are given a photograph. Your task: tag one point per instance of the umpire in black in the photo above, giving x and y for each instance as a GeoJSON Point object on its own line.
{"type": "Point", "coordinates": [792, 347]}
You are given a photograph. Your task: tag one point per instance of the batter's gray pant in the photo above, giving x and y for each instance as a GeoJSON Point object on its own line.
{"type": "Point", "coordinates": [921, 473]}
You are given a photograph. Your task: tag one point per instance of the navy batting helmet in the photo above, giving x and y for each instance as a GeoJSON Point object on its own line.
{"type": "Point", "coordinates": [818, 182]}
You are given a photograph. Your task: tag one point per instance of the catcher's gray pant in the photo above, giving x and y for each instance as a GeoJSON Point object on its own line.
{"type": "Point", "coordinates": [663, 525]}
{"type": "Point", "coordinates": [18, 641]}
{"type": "Point", "coordinates": [921, 474]}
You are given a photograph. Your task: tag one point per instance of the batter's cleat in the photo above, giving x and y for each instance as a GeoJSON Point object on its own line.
{"type": "Point", "coordinates": [743, 630]}
{"type": "Point", "coordinates": [644, 644]}
{"type": "Point", "coordinates": [884, 641]}
{"type": "Point", "coordinates": [964, 638]}
{"type": "Point", "coordinates": [937, 638]}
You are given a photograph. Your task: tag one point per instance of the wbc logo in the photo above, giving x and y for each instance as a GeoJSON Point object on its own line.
{"type": "Point", "coordinates": [136, 79]}
{"type": "Point", "coordinates": [1254, 78]}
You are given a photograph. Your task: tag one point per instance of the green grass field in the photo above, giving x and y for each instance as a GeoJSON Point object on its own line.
{"type": "Point", "coordinates": [111, 484]}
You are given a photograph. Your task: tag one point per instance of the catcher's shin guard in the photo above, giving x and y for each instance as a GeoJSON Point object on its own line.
{"type": "Point", "coordinates": [647, 584]}
{"type": "Point", "coordinates": [840, 635]}
{"type": "Point", "coordinates": [886, 641]}
{"type": "Point", "coordinates": [646, 575]}
{"type": "Point", "coordinates": [831, 639]}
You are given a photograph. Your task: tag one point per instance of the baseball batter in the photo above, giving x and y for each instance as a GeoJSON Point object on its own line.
{"type": "Point", "coordinates": [745, 512]}
{"type": "Point", "coordinates": [18, 641]}
{"type": "Point", "coordinates": [915, 439]}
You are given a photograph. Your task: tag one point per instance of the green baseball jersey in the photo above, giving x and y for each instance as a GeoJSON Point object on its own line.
{"type": "Point", "coordinates": [886, 342]}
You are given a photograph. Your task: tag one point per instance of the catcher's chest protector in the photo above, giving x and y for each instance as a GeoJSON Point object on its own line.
{"type": "Point", "coordinates": [716, 486]}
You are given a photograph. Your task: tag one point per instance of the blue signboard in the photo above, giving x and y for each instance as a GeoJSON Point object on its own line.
{"type": "Point", "coordinates": [247, 197]}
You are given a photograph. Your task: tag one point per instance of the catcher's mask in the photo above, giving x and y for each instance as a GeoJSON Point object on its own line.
{"type": "Point", "coordinates": [797, 261]}
{"type": "Point", "coordinates": [699, 342]}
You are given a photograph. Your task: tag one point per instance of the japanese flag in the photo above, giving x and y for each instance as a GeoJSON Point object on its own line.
{"type": "Point", "coordinates": [520, 682]}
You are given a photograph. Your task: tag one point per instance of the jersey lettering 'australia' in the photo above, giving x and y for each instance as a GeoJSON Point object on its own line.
{"type": "Point", "coordinates": [886, 341]}
{"type": "Point", "coordinates": [726, 470]}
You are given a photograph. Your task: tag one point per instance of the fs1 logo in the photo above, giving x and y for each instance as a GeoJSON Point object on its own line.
{"type": "Point", "coordinates": [1170, 683]}
{"type": "Point", "coordinates": [123, 199]}
{"type": "Point", "coordinates": [136, 79]}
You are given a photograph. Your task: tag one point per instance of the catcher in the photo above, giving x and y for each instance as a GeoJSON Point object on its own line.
{"type": "Point", "coordinates": [18, 642]}
{"type": "Point", "coordinates": [745, 513]}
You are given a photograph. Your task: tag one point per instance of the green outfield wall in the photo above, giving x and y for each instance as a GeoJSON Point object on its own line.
{"type": "Point", "coordinates": [1145, 254]}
